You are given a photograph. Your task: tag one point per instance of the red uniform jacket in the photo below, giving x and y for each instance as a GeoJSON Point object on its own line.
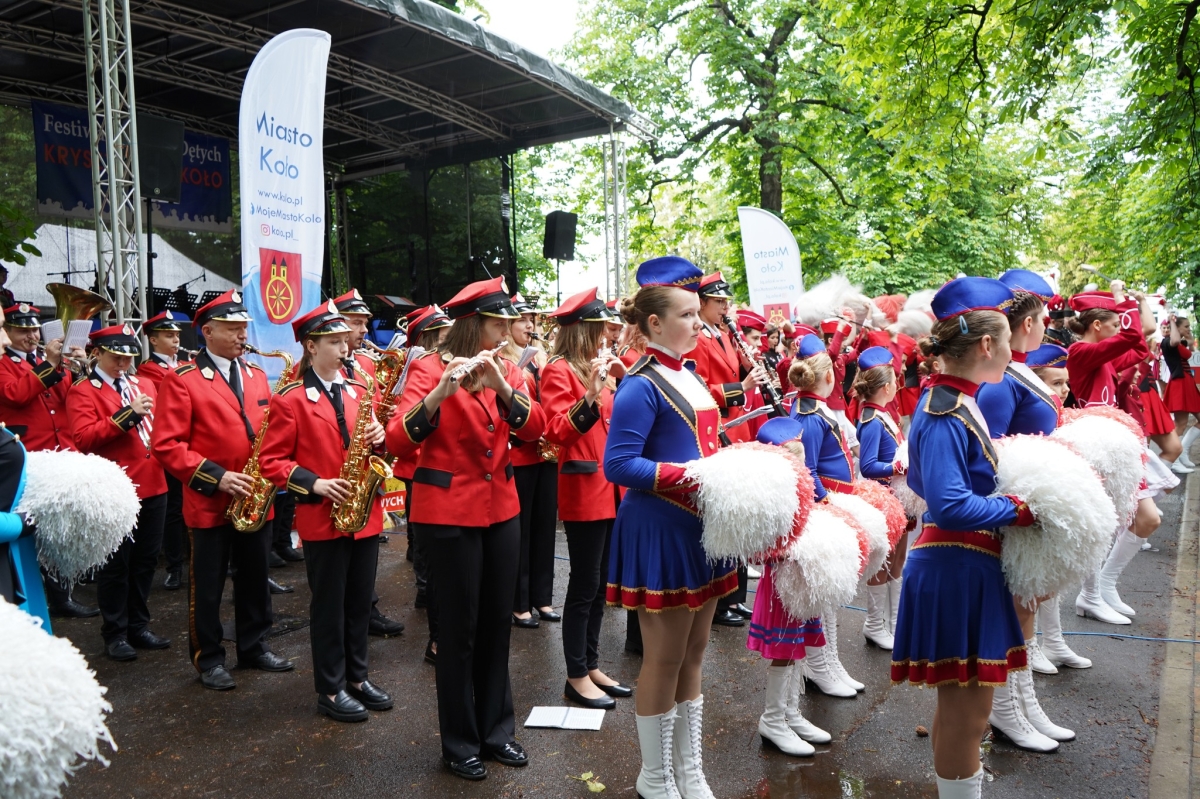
{"type": "Point", "coordinates": [33, 402]}
{"type": "Point", "coordinates": [718, 364]}
{"type": "Point", "coordinates": [1093, 366]}
{"type": "Point", "coordinates": [582, 431]}
{"type": "Point", "coordinates": [303, 443]}
{"type": "Point", "coordinates": [200, 432]}
{"type": "Point", "coordinates": [153, 370]}
{"type": "Point", "coordinates": [104, 425]}
{"type": "Point", "coordinates": [463, 476]}
{"type": "Point", "coordinates": [525, 453]}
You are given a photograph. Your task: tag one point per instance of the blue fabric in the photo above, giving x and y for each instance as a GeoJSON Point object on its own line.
{"type": "Point", "coordinates": [669, 270]}
{"type": "Point", "coordinates": [876, 447]}
{"type": "Point", "coordinates": [1047, 355]}
{"type": "Point", "coordinates": [823, 453]}
{"type": "Point", "coordinates": [779, 430]}
{"type": "Point", "coordinates": [956, 478]}
{"type": "Point", "coordinates": [809, 346]}
{"type": "Point", "coordinates": [1031, 282]}
{"type": "Point", "coordinates": [970, 294]}
{"type": "Point", "coordinates": [1012, 408]}
{"type": "Point", "coordinates": [655, 543]}
{"type": "Point", "coordinates": [874, 356]}
{"type": "Point", "coordinates": [22, 552]}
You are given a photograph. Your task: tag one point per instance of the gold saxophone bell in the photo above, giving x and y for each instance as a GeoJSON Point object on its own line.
{"type": "Point", "coordinates": [248, 514]}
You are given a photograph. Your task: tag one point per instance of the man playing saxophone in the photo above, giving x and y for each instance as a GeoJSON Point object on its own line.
{"type": "Point", "coordinates": [316, 423]}
{"type": "Point", "coordinates": [211, 410]}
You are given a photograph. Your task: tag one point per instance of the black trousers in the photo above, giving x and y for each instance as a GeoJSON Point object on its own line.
{"type": "Point", "coordinates": [425, 582]}
{"type": "Point", "coordinates": [341, 573]}
{"type": "Point", "coordinates": [738, 596]}
{"type": "Point", "coordinates": [476, 571]}
{"type": "Point", "coordinates": [57, 594]}
{"type": "Point", "coordinates": [174, 539]}
{"type": "Point", "coordinates": [123, 582]}
{"type": "Point", "coordinates": [285, 514]}
{"type": "Point", "coordinates": [537, 488]}
{"type": "Point", "coordinates": [583, 612]}
{"type": "Point", "coordinates": [214, 549]}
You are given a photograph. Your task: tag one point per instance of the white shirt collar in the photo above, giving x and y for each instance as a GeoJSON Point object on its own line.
{"type": "Point", "coordinates": [222, 364]}
{"type": "Point", "coordinates": [328, 384]}
{"type": "Point", "coordinates": [106, 377]}
{"type": "Point", "coordinates": [173, 362]}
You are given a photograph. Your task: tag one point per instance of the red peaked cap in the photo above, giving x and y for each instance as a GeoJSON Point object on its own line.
{"type": "Point", "coordinates": [167, 320]}
{"type": "Point", "coordinates": [118, 339]}
{"type": "Point", "coordinates": [715, 286]}
{"type": "Point", "coordinates": [226, 308]}
{"type": "Point", "coordinates": [1087, 300]}
{"type": "Point", "coordinates": [352, 302]}
{"type": "Point", "coordinates": [424, 319]}
{"type": "Point", "coordinates": [582, 307]}
{"type": "Point", "coordinates": [752, 320]}
{"type": "Point", "coordinates": [798, 331]}
{"type": "Point", "coordinates": [320, 321]}
{"type": "Point", "coordinates": [487, 297]}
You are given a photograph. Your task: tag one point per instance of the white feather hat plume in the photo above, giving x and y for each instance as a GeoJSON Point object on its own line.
{"type": "Point", "coordinates": [1075, 517]}
{"type": "Point", "coordinates": [821, 567]}
{"type": "Point", "coordinates": [914, 506]}
{"type": "Point", "coordinates": [916, 324]}
{"type": "Point", "coordinates": [1116, 455]}
{"type": "Point", "coordinates": [871, 520]}
{"type": "Point", "coordinates": [921, 301]}
{"type": "Point", "coordinates": [747, 499]}
{"type": "Point", "coordinates": [85, 506]}
{"type": "Point", "coordinates": [51, 709]}
{"type": "Point", "coordinates": [824, 300]}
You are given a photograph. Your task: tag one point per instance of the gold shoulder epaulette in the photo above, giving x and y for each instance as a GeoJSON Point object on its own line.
{"type": "Point", "coordinates": [184, 368]}
{"type": "Point", "coordinates": [290, 387]}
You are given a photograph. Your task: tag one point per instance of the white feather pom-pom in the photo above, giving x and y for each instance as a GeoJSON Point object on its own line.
{"type": "Point", "coordinates": [914, 506]}
{"type": "Point", "coordinates": [915, 324]}
{"type": "Point", "coordinates": [1075, 517]}
{"type": "Point", "coordinates": [821, 567]}
{"type": "Point", "coordinates": [824, 300]}
{"type": "Point", "coordinates": [921, 301]}
{"type": "Point", "coordinates": [746, 498]}
{"type": "Point", "coordinates": [84, 505]}
{"type": "Point", "coordinates": [51, 709]}
{"type": "Point", "coordinates": [1115, 454]}
{"type": "Point", "coordinates": [872, 520]}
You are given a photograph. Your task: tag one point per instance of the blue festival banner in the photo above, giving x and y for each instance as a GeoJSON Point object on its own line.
{"type": "Point", "coordinates": [64, 173]}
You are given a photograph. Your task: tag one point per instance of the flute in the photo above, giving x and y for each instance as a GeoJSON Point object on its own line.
{"type": "Point", "coordinates": [753, 357]}
{"type": "Point", "coordinates": [600, 354]}
{"type": "Point", "coordinates": [463, 370]}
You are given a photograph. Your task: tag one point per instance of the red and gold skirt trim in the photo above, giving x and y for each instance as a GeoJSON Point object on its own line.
{"type": "Point", "coordinates": [960, 670]}
{"type": "Point", "coordinates": [837, 486]}
{"type": "Point", "coordinates": [657, 601]}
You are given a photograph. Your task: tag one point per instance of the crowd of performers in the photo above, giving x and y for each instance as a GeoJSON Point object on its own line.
{"type": "Point", "coordinates": [498, 430]}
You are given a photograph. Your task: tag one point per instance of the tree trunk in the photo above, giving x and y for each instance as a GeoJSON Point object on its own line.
{"type": "Point", "coordinates": [770, 176]}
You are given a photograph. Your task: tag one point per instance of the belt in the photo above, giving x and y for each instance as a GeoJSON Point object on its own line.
{"type": "Point", "coordinates": [980, 540]}
{"type": "Point", "coordinates": [837, 486]}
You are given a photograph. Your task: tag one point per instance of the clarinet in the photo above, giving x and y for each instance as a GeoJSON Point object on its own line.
{"type": "Point", "coordinates": [735, 333]}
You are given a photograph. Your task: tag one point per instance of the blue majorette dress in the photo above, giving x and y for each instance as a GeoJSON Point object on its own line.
{"type": "Point", "coordinates": [956, 620]}
{"type": "Point", "coordinates": [878, 439]}
{"type": "Point", "coordinates": [663, 416]}
{"type": "Point", "coordinates": [828, 459]}
{"type": "Point", "coordinates": [20, 577]}
{"type": "Point", "coordinates": [1020, 404]}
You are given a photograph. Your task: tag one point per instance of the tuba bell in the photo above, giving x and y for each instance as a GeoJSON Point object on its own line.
{"type": "Point", "coordinates": [72, 302]}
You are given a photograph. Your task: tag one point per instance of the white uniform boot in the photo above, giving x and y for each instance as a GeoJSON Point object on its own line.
{"type": "Point", "coordinates": [1187, 440]}
{"type": "Point", "coordinates": [970, 788]}
{"type": "Point", "coordinates": [772, 724]}
{"type": "Point", "coordinates": [893, 605]}
{"type": "Point", "coordinates": [875, 628]}
{"type": "Point", "coordinates": [801, 726]}
{"type": "Point", "coordinates": [816, 667]}
{"type": "Point", "coordinates": [1053, 646]}
{"type": "Point", "coordinates": [1008, 719]}
{"type": "Point", "coordinates": [1037, 659]}
{"type": "Point", "coordinates": [657, 778]}
{"type": "Point", "coordinates": [1089, 603]}
{"type": "Point", "coordinates": [689, 750]}
{"type": "Point", "coordinates": [829, 619]}
{"type": "Point", "coordinates": [1033, 710]}
{"type": "Point", "coordinates": [1124, 548]}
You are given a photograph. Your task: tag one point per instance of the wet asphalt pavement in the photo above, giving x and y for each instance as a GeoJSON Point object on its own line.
{"type": "Point", "coordinates": [265, 739]}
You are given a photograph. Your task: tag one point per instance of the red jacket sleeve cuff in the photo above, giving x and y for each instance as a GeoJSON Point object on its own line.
{"type": "Point", "coordinates": [670, 477]}
{"type": "Point", "coordinates": [1025, 517]}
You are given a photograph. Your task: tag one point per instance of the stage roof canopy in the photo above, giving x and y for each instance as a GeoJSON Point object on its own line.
{"type": "Point", "coordinates": [409, 84]}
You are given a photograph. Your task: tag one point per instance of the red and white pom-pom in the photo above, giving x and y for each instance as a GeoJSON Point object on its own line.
{"type": "Point", "coordinates": [747, 498]}
{"type": "Point", "coordinates": [824, 300]}
{"type": "Point", "coordinates": [822, 567]}
{"type": "Point", "coordinates": [884, 501]}
{"type": "Point", "coordinates": [873, 523]}
{"type": "Point", "coordinates": [1105, 412]}
{"type": "Point", "coordinates": [804, 492]}
{"type": "Point", "coordinates": [914, 506]}
{"type": "Point", "coordinates": [1075, 517]}
{"type": "Point", "coordinates": [1116, 454]}
{"type": "Point", "coordinates": [860, 534]}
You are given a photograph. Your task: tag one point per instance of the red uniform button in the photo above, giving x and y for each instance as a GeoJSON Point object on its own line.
{"type": "Point", "coordinates": [487, 477]}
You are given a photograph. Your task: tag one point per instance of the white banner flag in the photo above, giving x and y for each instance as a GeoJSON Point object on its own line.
{"type": "Point", "coordinates": [282, 174]}
{"type": "Point", "coordinates": [772, 264]}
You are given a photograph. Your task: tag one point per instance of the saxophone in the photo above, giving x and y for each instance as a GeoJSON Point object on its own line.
{"type": "Point", "coordinates": [249, 514]}
{"type": "Point", "coordinates": [363, 469]}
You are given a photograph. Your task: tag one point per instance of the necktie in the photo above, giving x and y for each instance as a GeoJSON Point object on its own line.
{"type": "Point", "coordinates": [335, 397]}
{"type": "Point", "coordinates": [235, 385]}
{"type": "Point", "coordinates": [31, 358]}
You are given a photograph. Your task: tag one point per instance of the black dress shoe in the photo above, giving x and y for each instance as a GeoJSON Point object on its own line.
{"type": "Point", "coordinates": [217, 678]}
{"type": "Point", "coordinates": [279, 588]}
{"type": "Point", "coordinates": [528, 624]}
{"type": "Point", "coordinates": [118, 649]}
{"type": "Point", "coordinates": [430, 654]}
{"type": "Point", "coordinates": [384, 538]}
{"type": "Point", "coordinates": [173, 582]}
{"type": "Point", "coordinates": [269, 661]}
{"type": "Point", "coordinates": [291, 554]}
{"type": "Point", "coordinates": [383, 626]}
{"type": "Point", "coordinates": [274, 560]}
{"type": "Point", "coordinates": [73, 610]}
{"type": "Point", "coordinates": [548, 615]}
{"type": "Point", "coordinates": [599, 703]}
{"type": "Point", "coordinates": [727, 618]}
{"type": "Point", "coordinates": [469, 768]}
{"type": "Point", "coordinates": [618, 690]}
{"type": "Point", "coordinates": [511, 754]}
{"type": "Point", "coordinates": [371, 696]}
{"type": "Point", "coordinates": [342, 707]}
{"type": "Point", "coordinates": [145, 639]}
{"type": "Point", "coordinates": [742, 610]}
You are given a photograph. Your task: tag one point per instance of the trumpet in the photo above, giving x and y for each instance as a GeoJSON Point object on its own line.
{"type": "Point", "coordinates": [462, 370]}
{"type": "Point", "coordinates": [129, 393]}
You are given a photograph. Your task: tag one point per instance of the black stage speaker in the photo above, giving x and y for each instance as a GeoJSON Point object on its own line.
{"type": "Point", "coordinates": [160, 157]}
{"type": "Point", "coordinates": [559, 243]}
